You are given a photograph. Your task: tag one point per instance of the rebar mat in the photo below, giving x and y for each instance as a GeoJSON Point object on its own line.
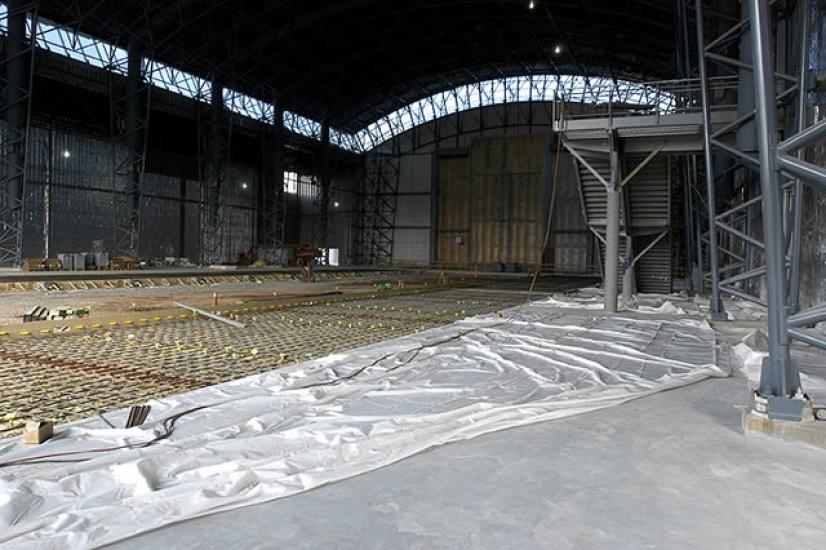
{"type": "Point", "coordinates": [63, 378]}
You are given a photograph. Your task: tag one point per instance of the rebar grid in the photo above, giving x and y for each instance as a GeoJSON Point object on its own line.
{"type": "Point", "coordinates": [63, 378]}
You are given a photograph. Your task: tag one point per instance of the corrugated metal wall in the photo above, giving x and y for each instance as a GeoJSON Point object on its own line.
{"type": "Point", "coordinates": [437, 156]}
{"type": "Point", "coordinates": [491, 202]}
{"type": "Point", "coordinates": [341, 220]}
{"type": "Point", "coordinates": [507, 196]}
{"type": "Point", "coordinates": [453, 227]}
{"type": "Point", "coordinates": [68, 201]}
{"type": "Point", "coordinates": [571, 248]}
{"type": "Point", "coordinates": [411, 240]}
{"type": "Point", "coordinates": [650, 198]}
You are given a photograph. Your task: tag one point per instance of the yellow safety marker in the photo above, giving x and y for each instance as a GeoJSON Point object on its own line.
{"type": "Point", "coordinates": [24, 333]}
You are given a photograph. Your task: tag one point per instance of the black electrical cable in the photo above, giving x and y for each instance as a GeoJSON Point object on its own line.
{"type": "Point", "coordinates": [168, 427]}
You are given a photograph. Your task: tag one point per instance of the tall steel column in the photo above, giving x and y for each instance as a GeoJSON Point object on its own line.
{"type": "Point", "coordinates": [15, 111]}
{"type": "Point", "coordinates": [134, 149]}
{"type": "Point", "coordinates": [377, 202]}
{"type": "Point", "coordinates": [797, 208]}
{"type": "Point", "coordinates": [324, 203]}
{"type": "Point", "coordinates": [715, 302]}
{"type": "Point", "coordinates": [779, 377]}
{"type": "Point", "coordinates": [129, 108]}
{"type": "Point", "coordinates": [212, 225]}
{"type": "Point", "coordinates": [629, 280]}
{"type": "Point", "coordinates": [274, 184]}
{"type": "Point", "coordinates": [612, 229]}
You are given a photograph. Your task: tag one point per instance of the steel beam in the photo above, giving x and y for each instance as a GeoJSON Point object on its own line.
{"type": "Point", "coordinates": [806, 136]}
{"type": "Point", "coordinates": [612, 229]}
{"type": "Point", "coordinates": [324, 202]}
{"type": "Point", "coordinates": [808, 317]}
{"type": "Point", "coordinates": [797, 206]}
{"type": "Point", "coordinates": [650, 245]}
{"type": "Point", "coordinates": [274, 184]}
{"type": "Point", "coordinates": [811, 173]}
{"type": "Point", "coordinates": [585, 163]}
{"type": "Point", "coordinates": [739, 234]}
{"type": "Point", "coordinates": [742, 295]}
{"type": "Point", "coordinates": [716, 307]}
{"type": "Point", "coordinates": [808, 337]}
{"type": "Point", "coordinates": [642, 164]}
{"type": "Point", "coordinates": [779, 377]}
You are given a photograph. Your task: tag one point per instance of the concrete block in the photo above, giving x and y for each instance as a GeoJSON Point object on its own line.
{"type": "Point", "coordinates": [810, 432]}
{"type": "Point", "coordinates": [36, 432]}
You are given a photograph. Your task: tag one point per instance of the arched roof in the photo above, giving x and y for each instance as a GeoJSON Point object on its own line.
{"type": "Point", "coordinates": [355, 61]}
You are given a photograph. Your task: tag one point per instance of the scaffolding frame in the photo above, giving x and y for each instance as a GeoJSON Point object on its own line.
{"type": "Point", "coordinates": [16, 78]}
{"type": "Point", "coordinates": [377, 202]}
{"type": "Point", "coordinates": [781, 169]}
{"type": "Point", "coordinates": [129, 111]}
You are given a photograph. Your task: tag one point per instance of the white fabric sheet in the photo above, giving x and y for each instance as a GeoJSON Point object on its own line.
{"type": "Point", "coordinates": [269, 436]}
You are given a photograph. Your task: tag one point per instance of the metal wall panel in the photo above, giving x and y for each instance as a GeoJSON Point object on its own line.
{"type": "Point", "coordinates": [570, 247]}
{"type": "Point", "coordinates": [415, 173]}
{"type": "Point", "coordinates": [508, 197]}
{"type": "Point", "coordinates": [413, 210]}
{"type": "Point", "coordinates": [72, 173]}
{"type": "Point", "coordinates": [411, 246]}
{"type": "Point", "coordinates": [454, 222]}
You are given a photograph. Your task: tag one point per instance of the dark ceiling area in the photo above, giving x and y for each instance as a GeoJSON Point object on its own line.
{"type": "Point", "coordinates": [354, 60]}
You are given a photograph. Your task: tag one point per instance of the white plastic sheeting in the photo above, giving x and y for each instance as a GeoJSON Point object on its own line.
{"type": "Point", "coordinates": [753, 347]}
{"type": "Point", "coordinates": [677, 304]}
{"type": "Point", "coordinates": [284, 432]}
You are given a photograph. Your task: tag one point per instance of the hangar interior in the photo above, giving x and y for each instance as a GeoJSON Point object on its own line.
{"type": "Point", "coordinates": [428, 266]}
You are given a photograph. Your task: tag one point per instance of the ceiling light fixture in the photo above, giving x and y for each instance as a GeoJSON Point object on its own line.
{"type": "Point", "coordinates": [531, 5]}
{"type": "Point", "coordinates": [244, 185]}
{"type": "Point", "coordinates": [66, 153]}
{"type": "Point", "coordinates": [557, 49]}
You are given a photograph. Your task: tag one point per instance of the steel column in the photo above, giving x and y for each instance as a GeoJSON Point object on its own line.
{"type": "Point", "coordinates": [779, 376]}
{"type": "Point", "coordinates": [15, 110]}
{"type": "Point", "coordinates": [612, 230]}
{"type": "Point", "coordinates": [324, 203]}
{"type": "Point", "coordinates": [134, 150]}
{"type": "Point", "coordinates": [715, 302]}
{"type": "Point", "coordinates": [212, 249]}
{"type": "Point", "coordinates": [274, 185]}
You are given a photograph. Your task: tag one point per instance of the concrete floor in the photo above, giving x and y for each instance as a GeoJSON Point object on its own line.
{"type": "Point", "coordinates": [670, 470]}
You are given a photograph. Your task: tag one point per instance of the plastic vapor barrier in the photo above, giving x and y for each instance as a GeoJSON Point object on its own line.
{"type": "Point", "coordinates": [280, 433]}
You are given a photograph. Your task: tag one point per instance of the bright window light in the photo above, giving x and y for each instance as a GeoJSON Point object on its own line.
{"type": "Point", "coordinates": [291, 183]}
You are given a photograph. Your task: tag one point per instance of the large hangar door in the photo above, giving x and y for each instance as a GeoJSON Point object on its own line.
{"type": "Point", "coordinates": [453, 228]}
{"type": "Point", "coordinates": [508, 199]}
{"type": "Point", "coordinates": [492, 203]}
